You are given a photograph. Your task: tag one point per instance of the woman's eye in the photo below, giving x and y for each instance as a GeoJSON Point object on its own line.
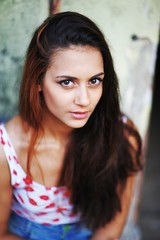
{"type": "Point", "coordinates": [66, 83]}
{"type": "Point", "coordinates": [95, 81]}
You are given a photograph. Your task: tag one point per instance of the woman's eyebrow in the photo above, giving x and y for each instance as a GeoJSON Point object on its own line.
{"type": "Point", "coordinates": [71, 77]}
{"type": "Point", "coordinates": [98, 75]}
{"type": "Point", "coordinates": [66, 76]}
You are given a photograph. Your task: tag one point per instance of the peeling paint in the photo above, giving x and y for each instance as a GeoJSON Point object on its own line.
{"type": "Point", "coordinates": [18, 20]}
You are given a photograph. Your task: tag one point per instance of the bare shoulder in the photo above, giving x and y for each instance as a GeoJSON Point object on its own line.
{"type": "Point", "coordinates": [16, 132]}
{"type": "Point", "coordinates": [14, 126]}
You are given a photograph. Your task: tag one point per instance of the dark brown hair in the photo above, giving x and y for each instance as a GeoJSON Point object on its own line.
{"type": "Point", "coordinates": [99, 155]}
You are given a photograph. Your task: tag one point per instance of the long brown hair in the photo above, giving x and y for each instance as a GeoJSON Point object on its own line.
{"type": "Point", "coordinates": [99, 155]}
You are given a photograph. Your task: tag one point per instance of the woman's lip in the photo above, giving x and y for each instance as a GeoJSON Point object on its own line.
{"type": "Point", "coordinates": [79, 115]}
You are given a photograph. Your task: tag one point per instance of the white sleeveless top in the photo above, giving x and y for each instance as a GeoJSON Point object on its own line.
{"type": "Point", "coordinates": [32, 200]}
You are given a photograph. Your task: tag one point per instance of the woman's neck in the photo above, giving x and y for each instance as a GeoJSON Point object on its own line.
{"type": "Point", "coordinates": [55, 129]}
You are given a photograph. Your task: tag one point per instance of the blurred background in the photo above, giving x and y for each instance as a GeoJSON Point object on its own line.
{"type": "Point", "coordinates": [132, 31]}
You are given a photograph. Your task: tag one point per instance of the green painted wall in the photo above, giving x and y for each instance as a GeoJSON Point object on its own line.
{"type": "Point", "coordinates": [18, 20]}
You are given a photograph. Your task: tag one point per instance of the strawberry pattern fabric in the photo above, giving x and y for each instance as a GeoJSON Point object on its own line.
{"type": "Point", "coordinates": [32, 200]}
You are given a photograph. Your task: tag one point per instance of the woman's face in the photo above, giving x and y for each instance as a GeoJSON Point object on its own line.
{"type": "Point", "coordinates": [72, 86]}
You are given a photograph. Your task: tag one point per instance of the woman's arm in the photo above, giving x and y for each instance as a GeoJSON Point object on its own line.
{"type": "Point", "coordinates": [5, 198]}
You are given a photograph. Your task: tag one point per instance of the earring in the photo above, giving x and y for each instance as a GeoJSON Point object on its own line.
{"type": "Point", "coordinates": [39, 88]}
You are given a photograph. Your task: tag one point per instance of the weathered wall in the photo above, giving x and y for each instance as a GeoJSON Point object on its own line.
{"type": "Point", "coordinates": [134, 60]}
{"type": "Point", "coordinates": [18, 20]}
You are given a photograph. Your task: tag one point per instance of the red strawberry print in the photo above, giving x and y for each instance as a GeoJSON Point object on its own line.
{"type": "Point", "coordinates": [18, 211]}
{"type": "Point", "coordinates": [57, 191]}
{"type": "Point", "coordinates": [16, 184]}
{"type": "Point", "coordinates": [44, 197]}
{"type": "Point", "coordinates": [27, 180]}
{"type": "Point", "coordinates": [61, 209]}
{"type": "Point", "coordinates": [2, 141]}
{"type": "Point", "coordinates": [72, 214]}
{"type": "Point", "coordinates": [21, 199]}
{"type": "Point", "coordinates": [40, 213]}
{"type": "Point", "coordinates": [50, 205]}
{"type": "Point", "coordinates": [56, 220]}
{"type": "Point", "coordinates": [32, 202]}
{"type": "Point", "coordinates": [67, 194]}
{"type": "Point", "coordinates": [15, 159]}
{"type": "Point", "coordinates": [29, 189]}
{"type": "Point", "coordinates": [9, 144]}
{"type": "Point", "coordinates": [15, 172]}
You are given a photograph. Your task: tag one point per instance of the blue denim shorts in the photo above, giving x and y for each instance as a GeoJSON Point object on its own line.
{"type": "Point", "coordinates": [29, 230]}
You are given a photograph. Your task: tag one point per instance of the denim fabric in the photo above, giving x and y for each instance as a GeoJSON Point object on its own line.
{"type": "Point", "coordinates": [29, 230]}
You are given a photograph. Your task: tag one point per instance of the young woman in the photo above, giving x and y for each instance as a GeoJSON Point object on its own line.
{"type": "Point", "coordinates": [68, 161]}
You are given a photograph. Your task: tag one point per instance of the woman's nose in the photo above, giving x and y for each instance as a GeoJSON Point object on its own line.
{"type": "Point", "coordinates": [82, 97]}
